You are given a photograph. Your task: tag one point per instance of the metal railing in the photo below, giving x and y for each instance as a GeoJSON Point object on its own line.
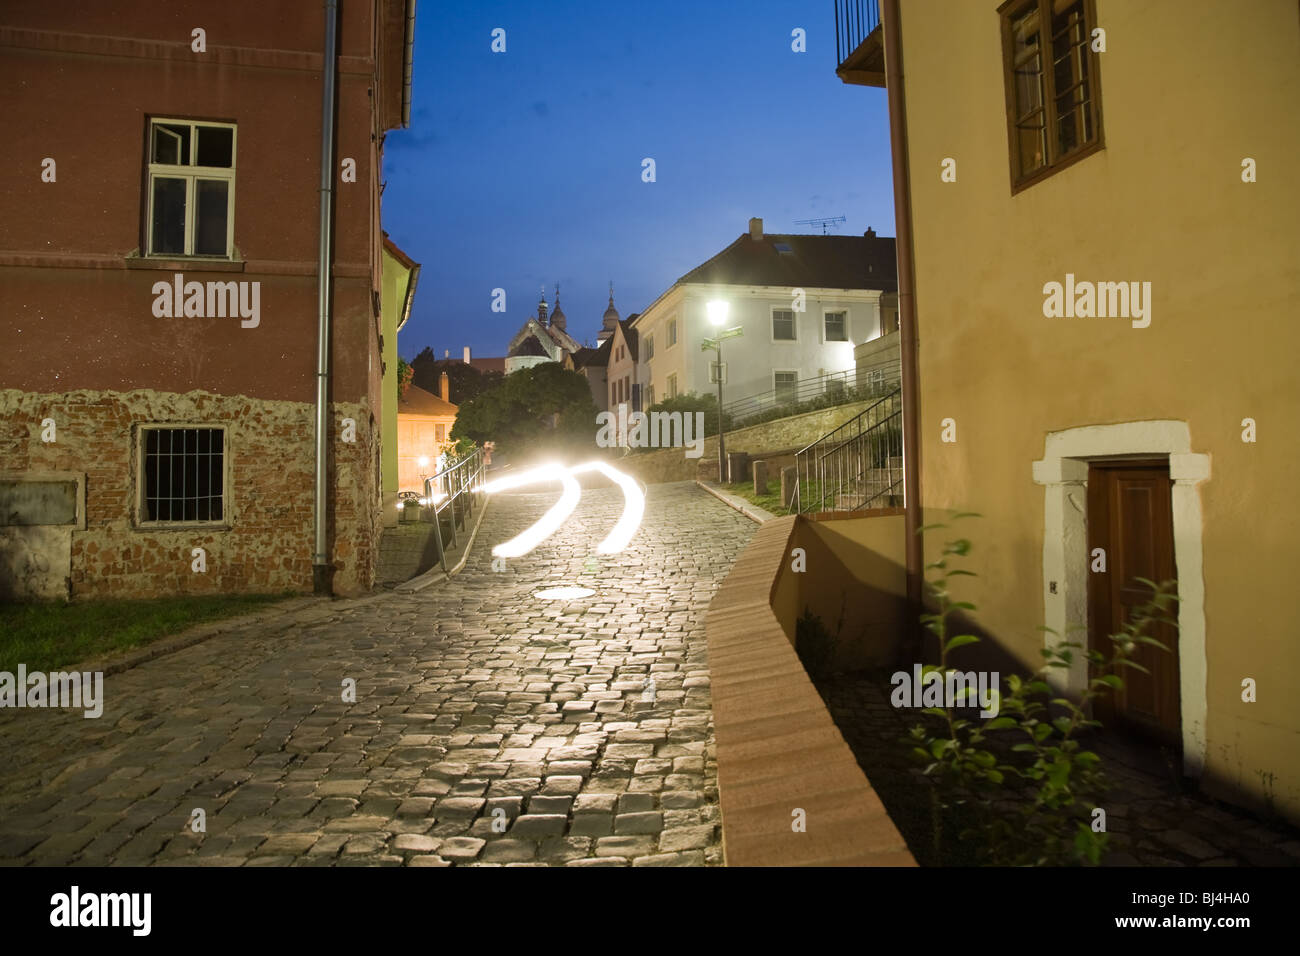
{"type": "Point", "coordinates": [453, 488]}
{"type": "Point", "coordinates": [854, 21]}
{"type": "Point", "coordinates": [820, 391]}
{"type": "Point", "coordinates": [858, 465]}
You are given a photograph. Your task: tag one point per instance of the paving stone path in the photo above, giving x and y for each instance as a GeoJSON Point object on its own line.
{"type": "Point", "coordinates": [490, 726]}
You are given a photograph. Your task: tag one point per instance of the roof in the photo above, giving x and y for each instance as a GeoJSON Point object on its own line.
{"type": "Point", "coordinates": [417, 401]}
{"type": "Point", "coordinates": [413, 268]}
{"type": "Point", "coordinates": [489, 364]}
{"type": "Point", "coordinates": [629, 333]}
{"type": "Point", "coordinates": [811, 262]}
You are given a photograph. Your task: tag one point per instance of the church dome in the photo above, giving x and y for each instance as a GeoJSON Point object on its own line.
{"type": "Point", "coordinates": [611, 314]}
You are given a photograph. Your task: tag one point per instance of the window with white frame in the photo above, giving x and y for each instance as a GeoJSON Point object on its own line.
{"type": "Point", "coordinates": [837, 327]}
{"type": "Point", "coordinates": [783, 325]}
{"type": "Point", "coordinates": [672, 386]}
{"type": "Point", "coordinates": [672, 332]}
{"type": "Point", "coordinates": [191, 189]}
{"type": "Point", "coordinates": [787, 386]}
{"type": "Point", "coordinates": [649, 396]}
{"type": "Point", "coordinates": [181, 475]}
{"type": "Point", "coordinates": [649, 347]}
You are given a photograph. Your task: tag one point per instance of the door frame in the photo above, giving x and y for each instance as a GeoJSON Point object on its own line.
{"type": "Point", "coordinates": [1063, 473]}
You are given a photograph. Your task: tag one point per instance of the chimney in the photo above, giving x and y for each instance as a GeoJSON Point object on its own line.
{"type": "Point", "coordinates": [467, 355]}
{"type": "Point", "coordinates": [446, 353]}
{"type": "Point", "coordinates": [756, 230]}
{"type": "Point", "coordinates": [870, 233]}
{"type": "Point", "coordinates": [444, 386]}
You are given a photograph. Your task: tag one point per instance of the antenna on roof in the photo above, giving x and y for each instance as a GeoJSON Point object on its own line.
{"type": "Point", "coordinates": [824, 223]}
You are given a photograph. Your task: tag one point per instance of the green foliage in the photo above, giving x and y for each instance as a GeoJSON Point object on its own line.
{"type": "Point", "coordinates": [404, 374]}
{"type": "Point", "coordinates": [814, 643]}
{"type": "Point", "coordinates": [688, 403]}
{"type": "Point", "coordinates": [1027, 803]}
{"type": "Point", "coordinates": [544, 408]}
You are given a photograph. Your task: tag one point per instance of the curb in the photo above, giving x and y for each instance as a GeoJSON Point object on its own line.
{"type": "Point", "coordinates": [436, 574]}
{"type": "Point", "coordinates": [751, 511]}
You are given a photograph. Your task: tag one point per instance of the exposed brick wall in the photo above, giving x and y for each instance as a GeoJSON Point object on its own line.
{"type": "Point", "coordinates": [268, 546]}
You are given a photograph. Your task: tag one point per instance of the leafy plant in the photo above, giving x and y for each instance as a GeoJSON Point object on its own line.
{"type": "Point", "coordinates": [815, 643]}
{"type": "Point", "coordinates": [1026, 802]}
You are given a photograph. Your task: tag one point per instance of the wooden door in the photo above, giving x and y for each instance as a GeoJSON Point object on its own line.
{"type": "Point", "coordinates": [1130, 517]}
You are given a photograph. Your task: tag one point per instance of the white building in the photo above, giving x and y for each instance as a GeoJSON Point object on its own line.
{"type": "Point", "coordinates": [848, 286]}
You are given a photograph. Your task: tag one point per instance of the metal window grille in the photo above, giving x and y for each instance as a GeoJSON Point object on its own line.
{"type": "Point", "coordinates": [184, 474]}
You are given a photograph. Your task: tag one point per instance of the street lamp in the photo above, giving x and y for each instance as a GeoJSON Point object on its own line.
{"type": "Point", "coordinates": [718, 310]}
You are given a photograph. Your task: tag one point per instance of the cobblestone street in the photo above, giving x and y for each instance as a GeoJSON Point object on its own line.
{"type": "Point", "coordinates": [490, 726]}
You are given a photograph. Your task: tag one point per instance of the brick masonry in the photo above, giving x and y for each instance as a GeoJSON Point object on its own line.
{"type": "Point", "coordinates": [268, 544]}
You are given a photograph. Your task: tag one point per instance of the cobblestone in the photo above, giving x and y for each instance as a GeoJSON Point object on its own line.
{"type": "Point", "coordinates": [472, 696]}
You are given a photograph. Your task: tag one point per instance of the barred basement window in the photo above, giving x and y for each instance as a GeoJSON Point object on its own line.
{"type": "Point", "coordinates": [191, 189]}
{"type": "Point", "coordinates": [182, 475]}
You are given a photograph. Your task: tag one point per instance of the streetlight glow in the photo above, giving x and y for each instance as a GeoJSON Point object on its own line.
{"type": "Point", "coordinates": [718, 310]}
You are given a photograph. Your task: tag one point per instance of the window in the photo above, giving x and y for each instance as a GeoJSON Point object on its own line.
{"type": "Point", "coordinates": [783, 325]}
{"type": "Point", "coordinates": [636, 398]}
{"type": "Point", "coordinates": [1052, 89]}
{"type": "Point", "coordinates": [672, 386]}
{"type": "Point", "coordinates": [649, 396]}
{"type": "Point", "coordinates": [440, 433]}
{"type": "Point", "coordinates": [837, 327]}
{"type": "Point", "coordinates": [191, 189]}
{"type": "Point", "coordinates": [182, 475]}
{"type": "Point", "coordinates": [649, 347]}
{"type": "Point", "coordinates": [672, 332]}
{"type": "Point", "coordinates": [787, 387]}
{"type": "Point", "coordinates": [834, 387]}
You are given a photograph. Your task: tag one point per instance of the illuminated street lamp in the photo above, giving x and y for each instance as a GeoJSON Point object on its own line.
{"type": "Point", "coordinates": [718, 310]}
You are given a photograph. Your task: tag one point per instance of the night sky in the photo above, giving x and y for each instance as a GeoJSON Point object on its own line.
{"type": "Point", "coordinates": [524, 167]}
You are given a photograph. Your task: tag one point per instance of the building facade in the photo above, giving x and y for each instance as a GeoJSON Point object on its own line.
{"type": "Point", "coordinates": [159, 264]}
{"type": "Point", "coordinates": [803, 302]}
{"type": "Point", "coordinates": [1078, 384]}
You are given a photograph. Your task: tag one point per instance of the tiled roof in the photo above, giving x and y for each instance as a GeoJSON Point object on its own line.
{"type": "Point", "coordinates": [813, 262]}
{"type": "Point", "coordinates": [417, 401]}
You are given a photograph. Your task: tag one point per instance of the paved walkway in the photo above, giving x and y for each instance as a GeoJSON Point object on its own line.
{"type": "Point", "coordinates": [1152, 820]}
{"type": "Point", "coordinates": [479, 709]}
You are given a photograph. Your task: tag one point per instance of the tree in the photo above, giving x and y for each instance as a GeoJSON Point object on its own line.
{"type": "Point", "coordinates": [463, 381]}
{"type": "Point", "coordinates": [403, 377]}
{"type": "Point", "coordinates": [544, 407]}
{"type": "Point", "coordinates": [688, 403]}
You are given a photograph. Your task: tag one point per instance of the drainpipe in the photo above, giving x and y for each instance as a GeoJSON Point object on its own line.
{"type": "Point", "coordinates": [906, 315]}
{"type": "Point", "coordinates": [324, 267]}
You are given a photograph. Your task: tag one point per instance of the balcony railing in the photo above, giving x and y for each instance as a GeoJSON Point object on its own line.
{"type": "Point", "coordinates": [859, 47]}
{"type": "Point", "coordinates": [854, 21]}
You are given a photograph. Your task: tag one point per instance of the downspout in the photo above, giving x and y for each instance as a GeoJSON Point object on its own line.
{"type": "Point", "coordinates": [324, 268]}
{"type": "Point", "coordinates": [906, 318]}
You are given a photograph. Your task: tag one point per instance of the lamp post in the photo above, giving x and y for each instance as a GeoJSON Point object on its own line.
{"type": "Point", "coordinates": [717, 310]}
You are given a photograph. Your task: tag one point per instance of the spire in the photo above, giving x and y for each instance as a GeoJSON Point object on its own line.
{"type": "Point", "coordinates": [557, 317]}
{"type": "Point", "coordinates": [541, 308]}
{"type": "Point", "coordinates": [611, 316]}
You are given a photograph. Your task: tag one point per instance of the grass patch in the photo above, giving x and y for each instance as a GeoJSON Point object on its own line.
{"type": "Point", "coordinates": [769, 502]}
{"type": "Point", "coordinates": [47, 636]}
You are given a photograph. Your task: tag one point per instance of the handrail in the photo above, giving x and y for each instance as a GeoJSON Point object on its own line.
{"type": "Point", "coordinates": [854, 461]}
{"type": "Point", "coordinates": [468, 481]}
{"type": "Point", "coordinates": [840, 388]}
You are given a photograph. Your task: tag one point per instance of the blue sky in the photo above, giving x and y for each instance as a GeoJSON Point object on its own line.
{"type": "Point", "coordinates": [524, 167]}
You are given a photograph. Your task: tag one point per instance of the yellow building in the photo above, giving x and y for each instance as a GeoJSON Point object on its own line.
{"type": "Point", "coordinates": [424, 423]}
{"type": "Point", "coordinates": [400, 278]}
{"type": "Point", "coordinates": [1104, 222]}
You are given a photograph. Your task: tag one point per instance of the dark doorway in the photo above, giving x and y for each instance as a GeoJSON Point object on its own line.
{"type": "Point", "coordinates": [1130, 516]}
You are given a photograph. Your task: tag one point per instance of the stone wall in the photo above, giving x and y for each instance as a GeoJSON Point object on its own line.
{"type": "Point", "coordinates": [779, 436]}
{"type": "Point", "coordinates": [266, 541]}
